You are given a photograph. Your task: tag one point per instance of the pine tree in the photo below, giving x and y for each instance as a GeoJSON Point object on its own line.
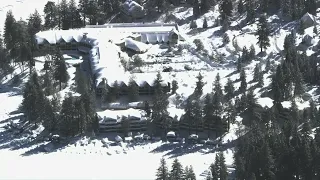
{"type": "Point", "coordinates": [208, 113]}
{"type": "Point", "coordinates": [256, 72]}
{"type": "Point", "coordinates": [199, 85]}
{"type": "Point", "coordinates": [174, 86]}
{"type": "Point", "coordinates": [263, 33]}
{"type": "Point", "coordinates": [84, 8]}
{"type": "Point", "coordinates": [147, 108]}
{"type": "Point", "coordinates": [315, 30]}
{"type": "Point", "coordinates": [160, 104]}
{"type": "Point", "coordinates": [162, 172]}
{"type": "Point", "coordinates": [50, 15]}
{"type": "Point", "coordinates": [251, 10]}
{"type": "Point", "coordinates": [60, 69]}
{"type": "Point", "coordinates": [49, 120]}
{"type": "Point", "coordinates": [252, 53]}
{"type": "Point", "coordinates": [133, 90]}
{"type": "Point", "coordinates": [74, 15]}
{"type": "Point", "coordinates": [205, 23]}
{"type": "Point", "coordinates": [268, 66]}
{"type": "Point", "coordinates": [240, 7]}
{"type": "Point", "coordinates": [196, 9]}
{"type": "Point", "coordinates": [268, 163]}
{"type": "Point", "coordinates": [229, 90]}
{"type": "Point", "coordinates": [34, 25]}
{"type": "Point", "coordinates": [301, 28]}
{"type": "Point", "coordinates": [260, 80]}
{"type": "Point", "coordinates": [190, 175]}
{"type": "Point", "coordinates": [81, 81]}
{"type": "Point", "coordinates": [176, 172]}
{"type": "Point", "coordinates": [226, 8]}
{"type": "Point", "coordinates": [64, 15]}
{"type": "Point", "coordinates": [214, 171]}
{"type": "Point", "coordinates": [243, 82]}
{"type": "Point", "coordinates": [223, 173]}
{"type": "Point", "coordinates": [193, 24]}
{"type": "Point", "coordinates": [9, 26]}
{"type": "Point", "coordinates": [298, 84]}
{"type": "Point", "coordinates": [204, 6]}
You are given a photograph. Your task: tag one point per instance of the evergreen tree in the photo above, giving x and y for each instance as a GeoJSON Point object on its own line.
{"type": "Point", "coordinates": [190, 175]}
{"type": "Point", "coordinates": [301, 28]}
{"type": "Point", "coordinates": [133, 90]}
{"type": "Point", "coordinates": [226, 8]}
{"type": "Point", "coordinates": [299, 87]}
{"type": "Point", "coordinates": [193, 24]}
{"type": "Point", "coordinates": [252, 53]}
{"type": "Point", "coordinates": [240, 7]}
{"type": "Point", "coordinates": [205, 23]}
{"type": "Point", "coordinates": [263, 33]}
{"type": "Point", "coordinates": [9, 29]}
{"type": "Point", "coordinates": [83, 9]}
{"type": "Point", "coordinates": [49, 119]}
{"type": "Point", "coordinates": [147, 108]}
{"type": "Point", "coordinates": [160, 104]}
{"type": "Point", "coordinates": [34, 24]}
{"type": "Point", "coordinates": [64, 15]}
{"type": "Point", "coordinates": [176, 172]}
{"type": "Point", "coordinates": [223, 173]}
{"type": "Point", "coordinates": [214, 171]}
{"type": "Point", "coordinates": [229, 90]}
{"type": "Point", "coordinates": [208, 113]}
{"type": "Point", "coordinates": [268, 66]}
{"type": "Point", "coordinates": [199, 85]}
{"type": "Point", "coordinates": [162, 172]}
{"type": "Point", "coordinates": [260, 80]}
{"type": "Point", "coordinates": [256, 72]}
{"type": "Point", "coordinates": [60, 69]}
{"type": "Point", "coordinates": [82, 84]}
{"type": "Point", "coordinates": [50, 15]}
{"type": "Point", "coordinates": [174, 86]}
{"type": "Point", "coordinates": [315, 30]}
{"type": "Point", "coordinates": [204, 6]}
{"type": "Point", "coordinates": [74, 15]}
{"type": "Point", "coordinates": [251, 10]}
{"type": "Point", "coordinates": [196, 9]}
{"type": "Point", "coordinates": [243, 81]}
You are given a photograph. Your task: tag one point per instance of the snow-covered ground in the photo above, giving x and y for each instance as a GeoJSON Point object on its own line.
{"type": "Point", "coordinates": [97, 162]}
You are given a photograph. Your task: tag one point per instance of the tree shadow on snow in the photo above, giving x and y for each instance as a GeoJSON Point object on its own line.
{"type": "Point", "coordinates": [177, 149]}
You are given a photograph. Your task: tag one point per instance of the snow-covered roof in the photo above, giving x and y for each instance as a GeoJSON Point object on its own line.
{"type": "Point", "coordinates": [112, 114]}
{"type": "Point", "coordinates": [136, 45]}
{"type": "Point", "coordinates": [175, 112]}
{"type": "Point", "coordinates": [171, 134]}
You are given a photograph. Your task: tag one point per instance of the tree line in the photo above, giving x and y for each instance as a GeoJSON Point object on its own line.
{"type": "Point", "coordinates": [277, 143]}
{"type": "Point", "coordinates": [217, 170]}
{"type": "Point", "coordinates": [70, 15]}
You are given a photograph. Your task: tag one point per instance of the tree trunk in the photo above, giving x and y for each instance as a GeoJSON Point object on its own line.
{"type": "Point", "coordinates": [60, 85]}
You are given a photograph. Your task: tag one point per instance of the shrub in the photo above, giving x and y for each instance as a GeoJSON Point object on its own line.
{"type": "Point", "coordinates": [225, 39]}
{"type": "Point", "coordinates": [198, 44]}
{"type": "Point", "coordinates": [193, 25]}
{"type": "Point", "coordinates": [137, 61]}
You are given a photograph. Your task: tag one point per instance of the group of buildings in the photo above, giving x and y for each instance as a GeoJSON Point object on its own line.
{"type": "Point", "coordinates": [96, 41]}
